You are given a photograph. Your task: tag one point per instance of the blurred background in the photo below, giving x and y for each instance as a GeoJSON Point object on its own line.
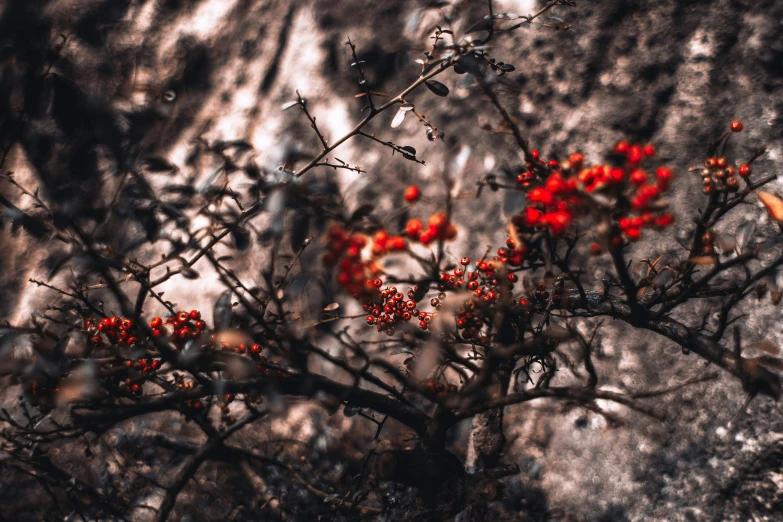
{"type": "Point", "coordinates": [92, 88]}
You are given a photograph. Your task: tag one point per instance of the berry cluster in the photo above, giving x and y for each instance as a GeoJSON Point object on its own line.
{"type": "Point", "coordinates": [718, 176]}
{"type": "Point", "coordinates": [707, 246]}
{"type": "Point", "coordinates": [438, 388]}
{"type": "Point", "coordinates": [566, 192]}
{"type": "Point", "coordinates": [185, 325]}
{"type": "Point", "coordinates": [438, 227]}
{"type": "Point", "coordinates": [345, 250]}
{"type": "Point", "coordinates": [254, 351]}
{"type": "Point", "coordinates": [488, 283]}
{"type": "Point", "coordinates": [388, 307]}
{"type": "Point", "coordinates": [118, 330]}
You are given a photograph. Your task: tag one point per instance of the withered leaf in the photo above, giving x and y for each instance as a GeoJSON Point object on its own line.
{"type": "Point", "coordinates": [773, 204]}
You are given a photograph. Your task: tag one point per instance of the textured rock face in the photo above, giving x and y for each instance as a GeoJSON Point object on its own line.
{"type": "Point", "coordinates": [147, 77]}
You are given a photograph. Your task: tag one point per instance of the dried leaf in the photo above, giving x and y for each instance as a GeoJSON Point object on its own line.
{"type": "Point", "coordinates": [362, 212]}
{"type": "Point", "coordinates": [429, 67]}
{"type": "Point", "coordinates": [189, 273]}
{"type": "Point", "coordinates": [398, 118]}
{"type": "Point", "coordinates": [471, 64]}
{"type": "Point", "coordinates": [726, 242]}
{"type": "Point", "coordinates": [744, 234]}
{"type": "Point", "coordinates": [333, 306]}
{"type": "Point", "coordinates": [288, 105]}
{"type": "Point", "coordinates": [504, 16]}
{"type": "Point", "coordinates": [769, 362]}
{"type": "Point", "coordinates": [663, 278]}
{"type": "Point", "coordinates": [350, 410]}
{"type": "Point", "coordinates": [484, 25]}
{"type": "Point", "coordinates": [156, 164]}
{"type": "Point", "coordinates": [437, 88]}
{"type": "Point", "coordinates": [766, 346]}
{"type": "Point", "coordinates": [221, 314]}
{"type": "Point", "coordinates": [702, 260]}
{"type": "Point", "coordinates": [773, 204]}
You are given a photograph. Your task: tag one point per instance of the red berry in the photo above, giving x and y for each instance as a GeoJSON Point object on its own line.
{"type": "Point", "coordinates": [616, 175]}
{"type": "Point", "coordinates": [396, 243]}
{"type": "Point", "coordinates": [126, 324]}
{"type": "Point", "coordinates": [182, 317]}
{"type": "Point", "coordinates": [736, 126]}
{"type": "Point", "coordinates": [156, 322]}
{"type": "Point", "coordinates": [426, 237]}
{"type": "Point", "coordinates": [621, 147]}
{"type": "Point", "coordinates": [664, 220]}
{"type": "Point", "coordinates": [156, 332]}
{"type": "Point", "coordinates": [664, 176]}
{"type": "Point", "coordinates": [638, 177]}
{"type": "Point", "coordinates": [649, 150]}
{"type": "Point", "coordinates": [535, 154]}
{"type": "Point", "coordinates": [115, 321]}
{"type": "Point", "coordinates": [744, 170]}
{"type": "Point", "coordinates": [541, 195]}
{"type": "Point", "coordinates": [412, 194]}
{"type": "Point", "coordinates": [635, 154]}
{"type": "Point", "coordinates": [413, 228]}
{"type": "Point", "coordinates": [439, 221]}
{"type": "Point", "coordinates": [595, 249]}
{"type": "Point", "coordinates": [256, 348]}
{"type": "Point", "coordinates": [195, 315]}
{"type": "Point", "coordinates": [465, 261]}
{"type": "Point", "coordinates": [558, 222]}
